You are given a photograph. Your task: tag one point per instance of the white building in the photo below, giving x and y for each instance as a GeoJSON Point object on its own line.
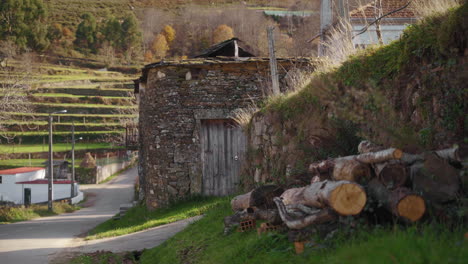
{"type": "Point", "coordinates": [391, 26]}
{"type": "Point", "coordinates": [29, 185]}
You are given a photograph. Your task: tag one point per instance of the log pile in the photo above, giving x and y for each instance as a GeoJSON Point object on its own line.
{"type": "Point", "coordinates": [401, 184]}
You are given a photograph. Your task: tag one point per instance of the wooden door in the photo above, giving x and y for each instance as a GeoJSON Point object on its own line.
{"type": "Point", "coordinates": [223, 147]}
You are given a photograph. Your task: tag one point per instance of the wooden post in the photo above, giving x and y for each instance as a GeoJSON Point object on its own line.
{"type": "Point", "coordinates": [273, 65]}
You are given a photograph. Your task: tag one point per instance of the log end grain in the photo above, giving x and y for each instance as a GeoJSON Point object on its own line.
{"type": "Point", "coordinates": [348, 199]}
{"type": "Point", "coordinates": [397, 154]}
{"type": "Point", "coordinates": [411, 207]}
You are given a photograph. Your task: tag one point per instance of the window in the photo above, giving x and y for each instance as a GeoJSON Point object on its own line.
{"type": "Point", "coordinates": [1, 179]}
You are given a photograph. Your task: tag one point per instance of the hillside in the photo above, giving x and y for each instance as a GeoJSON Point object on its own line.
{"type": "Point", "coordinates": [67, 12]}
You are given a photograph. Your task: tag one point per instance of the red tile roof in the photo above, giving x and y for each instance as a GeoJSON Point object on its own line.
{"type": "Point", "coordinates": [368, 11]}
{"type": "Point", "coordinates": [43, 182]}
{"type": "Point", "coordinates": [20, 170]}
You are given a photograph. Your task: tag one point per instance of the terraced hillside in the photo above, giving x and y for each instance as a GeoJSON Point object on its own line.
{"type": "Point", "coordinates": [96, 101]}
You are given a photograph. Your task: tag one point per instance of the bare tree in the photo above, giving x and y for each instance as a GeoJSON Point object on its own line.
{"type": "Point", "coordinates": [15, 83]}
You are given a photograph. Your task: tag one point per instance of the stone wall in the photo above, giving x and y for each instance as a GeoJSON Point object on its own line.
{"type": "Point", "coordinates": [173, 101]}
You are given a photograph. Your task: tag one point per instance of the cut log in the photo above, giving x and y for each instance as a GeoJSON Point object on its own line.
{"type": "Point", "coordinates": [346, 198]}
{"type": "Point", "coordinates": [324, 215]}
{"type": "Point", "coordinates": [458, 154]}
{"type": "Point", "coordinates": [392, 174]}
{"type": "Point", "coordinates": [261, 197]}
{"type": "Point", "coordinates": [349, 169]}
{"type": "Point", "coordinates": [380, 156]}
{"type": "Point", "coordinates": [436, 179]}
{"type": "Point", "coordinates": [368, 146]}
{"type": "Point", "coordinates": [401, 202]}
{"type": "Point", "coordinates": [353, 168]}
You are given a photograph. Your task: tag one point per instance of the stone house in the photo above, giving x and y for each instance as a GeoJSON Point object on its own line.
{"type": "Point", "coordinates": [189, 143]}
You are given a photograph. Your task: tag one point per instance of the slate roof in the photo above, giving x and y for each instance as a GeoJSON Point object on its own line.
{"type": "Point", "coordinates": [368, 11]}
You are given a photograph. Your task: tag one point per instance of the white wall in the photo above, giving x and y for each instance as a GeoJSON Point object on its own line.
{"type": "Point", "coordinates": [389, 33]}
{"type": "Point", "coordinates": [8, 190]}
{"type": "Point", "coordinates": [30, 176]}
{"type": "Point", "coordinates": [39, 194]}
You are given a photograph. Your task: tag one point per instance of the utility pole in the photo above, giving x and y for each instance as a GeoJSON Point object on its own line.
{"type": "Point", "coordinates": [51, 169]}
{"type": "Point", "coordinates": [273, 64]}
{"type": "Point", "coordinates": [51, 164]}
{"type": "Point", "coordinates": [72, 187]}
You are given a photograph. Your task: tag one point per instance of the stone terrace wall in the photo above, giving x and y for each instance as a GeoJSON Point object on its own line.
{"type": "Point", "coordinates": [173, 102]}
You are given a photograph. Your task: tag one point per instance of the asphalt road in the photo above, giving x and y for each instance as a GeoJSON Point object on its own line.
{"type": "Point", "coordinates": [38, 240]}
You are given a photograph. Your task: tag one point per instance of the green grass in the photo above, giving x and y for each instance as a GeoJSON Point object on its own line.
{"type": "Point", "coordinates": [204, 242]}
{"type": "Point", "coordinates": [140, 218]}
{"type": "Point", "coordinates": [77, 133]}
{"type": "Point", "coordinates": [58, 95]}
{"type": "Point", "coordinates": [58, 147]}
{"type": "Point", "coordinates": [13, 214]}
{"type": "Point", "coordinates": [84, 105]}
{"type": "Point", "coordinates": [69, 114]}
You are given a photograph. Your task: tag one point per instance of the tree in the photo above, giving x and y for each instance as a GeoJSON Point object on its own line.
{"type": "Point", "coordinates": [16, 82]}
{"type": "Point", "coordinates": [112, 32]}
{"type": "Point", "coordinates": [131, 32]}
{"type": "Point", "coordinates": [148, 56]}
{"type": "Point", "coordinates": [24, 23]}
{"type": "Point", "coordinates": [54, 32]}
{"type": "Point", "coordinates": [222, 33]}
{"type": "Point", "coordinates": [159, 46]}
{"type": "Point", "coordinates": [86, 33]}
{"type": "Point", "coordinates": [169, 33]}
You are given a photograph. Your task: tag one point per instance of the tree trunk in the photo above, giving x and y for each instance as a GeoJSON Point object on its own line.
{"type": "Point", "coordinates": [324, 215]}
{"type": "Point", "coordinates": [392, 174]}
{"type": "Point", "coordinates": [436, 179]}
{"type": "Point", "coordinates": [345, 197]}
{"type": "Point", "coordinates": [261, 197]}
{"type": "Point", "coordinates": [401, 202]}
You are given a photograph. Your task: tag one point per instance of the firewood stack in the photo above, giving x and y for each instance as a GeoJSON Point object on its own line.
{"type": "Point", "coordinates": [403, 184]}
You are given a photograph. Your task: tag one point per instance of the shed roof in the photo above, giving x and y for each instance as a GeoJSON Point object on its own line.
{"type": "Point", "coordinates": [225, 48]}
{"type": "Point", "coordinates": [20, 170]}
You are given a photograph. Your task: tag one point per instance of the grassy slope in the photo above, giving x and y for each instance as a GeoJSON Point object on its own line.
{"type": "Point", "coordinates": [204, 242]}
{"type": "Point", "coordinates": [139, 218]}
{"type": "Point", "coordinates": [410, 92]}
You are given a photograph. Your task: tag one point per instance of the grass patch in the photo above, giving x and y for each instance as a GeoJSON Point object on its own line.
{"type": "Point", "coordinates": [140, 218]}
{"type": "Point", "coordinates": [83, 105]}
{"type": "Point", "coordinates": [78, 96]}
{"type": "Point", "coordinates": [17, 214]}
{"type": "Point", "coordinates": [77, 133]}
{"type": "Point", "coordinates": [58, 147]}
{"type": "Point", "coordinates": [204, 242]}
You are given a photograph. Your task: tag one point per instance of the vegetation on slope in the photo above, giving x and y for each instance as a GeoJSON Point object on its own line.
{"type": "Point", "coordinates": [204, 242]}
{"type": "Point", "coordinates": [413, 89]}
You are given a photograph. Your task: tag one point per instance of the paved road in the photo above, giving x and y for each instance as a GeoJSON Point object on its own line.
{"type": "Point", "coordinates": [37, 240]}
